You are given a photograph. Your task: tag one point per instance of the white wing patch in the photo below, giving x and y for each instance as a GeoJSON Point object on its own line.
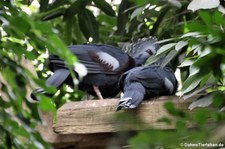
{"type": "Point", "coordinates": [169, 85]}
{"type": "Point", "coordinates": [108, 59]}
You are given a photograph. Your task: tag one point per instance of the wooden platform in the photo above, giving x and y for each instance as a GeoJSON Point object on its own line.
{"type": "Point", "coordinates": [92, 123]}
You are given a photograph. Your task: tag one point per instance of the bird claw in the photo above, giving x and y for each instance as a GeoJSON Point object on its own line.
{"type": "Point", "coordinates": [126, 104]}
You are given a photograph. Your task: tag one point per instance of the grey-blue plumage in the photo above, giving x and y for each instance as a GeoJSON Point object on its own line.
{"type": "Point", "coordinates": [146, 82]}
{"type": "Point", "coordinates": [105, 64]}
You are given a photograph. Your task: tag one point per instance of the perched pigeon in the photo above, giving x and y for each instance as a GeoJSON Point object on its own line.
{"type": "Point", "coordinates": [105, 64]}
{"type": "Point", "coordinates": [146, 82]}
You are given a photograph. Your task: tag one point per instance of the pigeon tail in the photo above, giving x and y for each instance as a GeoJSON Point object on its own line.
{"type": "Point", "coordinates": [133, 96]}
{"type": "Point", "coordinates": [56, 80]}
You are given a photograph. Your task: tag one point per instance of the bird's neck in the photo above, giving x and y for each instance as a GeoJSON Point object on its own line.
{"type": "Point", "coordinates": [140, 61]}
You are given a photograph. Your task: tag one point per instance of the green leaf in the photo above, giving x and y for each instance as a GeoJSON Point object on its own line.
{"type": "Point", "coordinates": [201, 116]}
{"type": "Point", "coordinates": [165, 120]}
{"type": "Point", "coordinates": [206, 17]}
{"type": "Point", "coordinates": [68, 31]}
{"type": "Point", "coordinates": [221, 9]}
{"type": "Point", "coordinates": [137, 12]}
{"type": "Point", "coordinates": [165, 48]}
{"type": "Point", "coordinates": [181, 125]}
{"type": "Point", "coordinates": [218, 18]}
{"type": "Point", "coordinates": [207, 80]}
{"type": "Point", "coordinates": [191, 34]}
{"type": "Point", "coordinates": [169, 57]}
{"type": "Point", "coordinates": [34, 110]}
{"type": "Point", "coordinates": [173, 53]}
{"type": "Point", "coordinates": [171, 109]}
{"type": "Point", "coordinates": [219, 99]}
{"type": "Point", "coordinates": [196, 26]}
{"type": "Point", "coordinates": [165, 40]}
{"type": "Point", "coordinates": [77, 31]}
{"type": "Point", "coordinates": [88, 25]}
{"type": "Point", "coordinates": [54, 14]}
{"type": "Point", "coordinates": [193, 70]}
{"type": "Point", "coordinates": [43, 5]}
{"type": "Point", "coordinates": [152, 59]}
{"type": "Point", "coordinates": [203, 4]}
{"type": "Point", "coordinates": [4, 104]}
{"type": "Point", "coordinates": [123, 16]}
{"type": "Point", "coordinates": [202, 102]}
{"type": "Point", "coordinates": [58, 4]}
{"type": "Point", "coordinates": [143, 2]}
{"type": "Point", "coordinates": [191, 82]}
{"type": "Point", "coordinates": [22, 132]}
{"type": "Point", "coordinates": [159, 20]}
{"type": "Point", "coordinates": [180, 45]}
{"type": "Point", "coordinates": [186, 62]}
{"type": "Point", "coordinates": [43, 27]}
{"type": "Point", "coordinates": [77, 7]}
{"type": "Point", "coordinates": [21, 24]}
{"type": "Point", "coordinates": [46, 104]}
{"type": "Point", "coordinates": [222, 109]}
{"type": "Point", "coordinates": [196, 92]}
{"type": "Point", "coordinates": [57, 46]}
{"type": "Point", "coordinates": [108, 21]}
{"type": "Point", "coordinates": [105, 7]}
{"type": "Point", "coordinates": [195, 48]}
{"type": "Point", "coordinates": [175, 3]}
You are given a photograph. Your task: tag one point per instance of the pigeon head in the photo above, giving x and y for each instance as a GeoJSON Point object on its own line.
{"type": "Point", "coordinates": [142, 49]}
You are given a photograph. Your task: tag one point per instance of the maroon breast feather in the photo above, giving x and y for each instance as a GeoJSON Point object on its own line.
{"type": "Point", "coordinates": [96, 58]}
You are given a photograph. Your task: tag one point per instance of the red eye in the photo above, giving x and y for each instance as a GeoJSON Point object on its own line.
{"type": "Point", "coordinates": [149, 51]}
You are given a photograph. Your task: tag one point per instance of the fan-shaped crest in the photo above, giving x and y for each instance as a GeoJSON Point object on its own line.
{"type": "Point", "coordinates": [142, 45]}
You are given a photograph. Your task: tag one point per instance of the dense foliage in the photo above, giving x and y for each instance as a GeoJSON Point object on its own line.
{"type": "Point", "coordinates": [192, 38]}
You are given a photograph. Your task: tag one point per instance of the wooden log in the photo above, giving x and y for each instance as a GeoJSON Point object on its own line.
{"type": "Point", "coordinates": [99, 116]}
{"type": "Point", "coordinates": [78, 141]}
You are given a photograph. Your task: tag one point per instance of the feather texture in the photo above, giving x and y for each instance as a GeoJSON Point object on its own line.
{"type": "Point", "coordinates": [142, 83]}
{"type": "Point", "coordinates": [104, 63]}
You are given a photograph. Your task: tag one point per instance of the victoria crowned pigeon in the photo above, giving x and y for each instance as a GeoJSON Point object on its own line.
{"type": "Point", "coordinates": [146, 82]}
{"type": "Point", "coordinates": [105, 64]}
